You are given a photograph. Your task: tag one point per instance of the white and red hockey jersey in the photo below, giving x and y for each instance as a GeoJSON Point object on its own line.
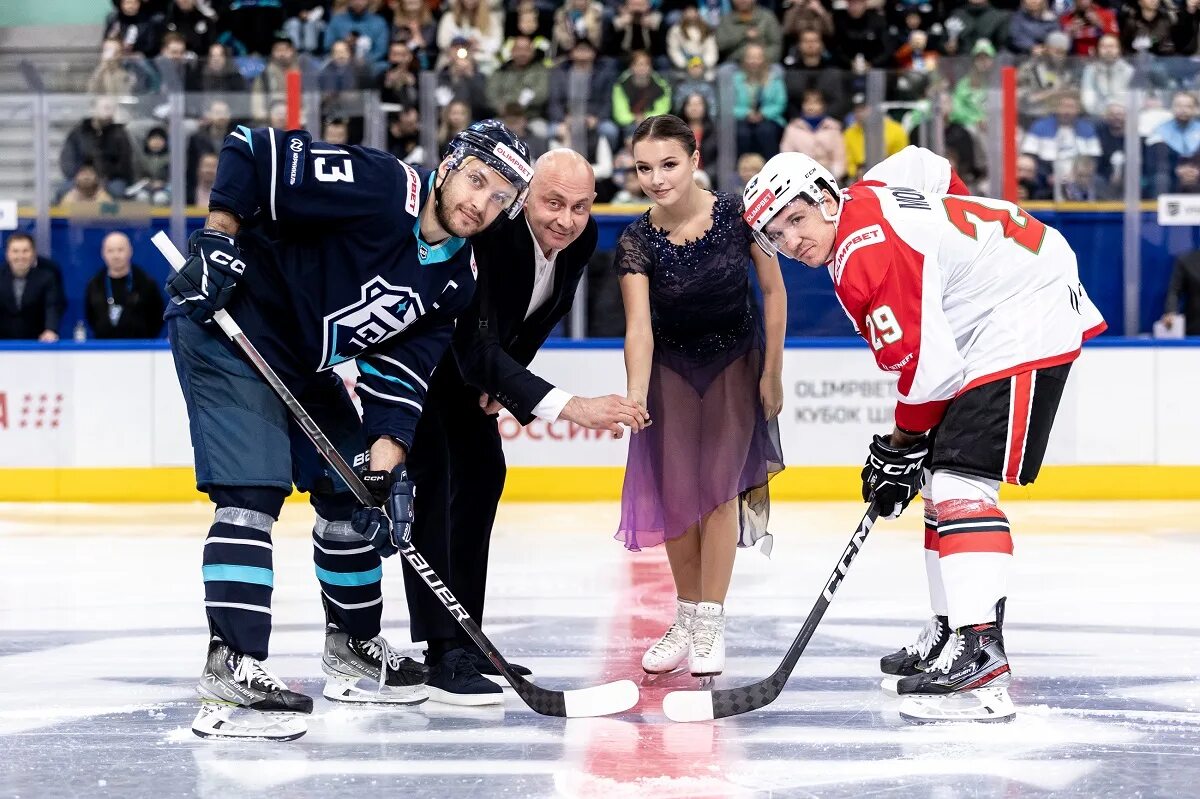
{"type": "Point", "coordinates": [953, 291]}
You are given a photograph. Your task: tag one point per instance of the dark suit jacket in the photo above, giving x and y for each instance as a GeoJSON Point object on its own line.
{"type": "Point", "coordinates": [491, 351]}
{"type": "Point", "coordinates": [41, 304]}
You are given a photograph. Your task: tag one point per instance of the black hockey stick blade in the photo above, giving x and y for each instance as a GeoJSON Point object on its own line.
{"type": "Point", "coordinates": [708, 705]}
{"type": "Point", "coordinates": [599, 700]}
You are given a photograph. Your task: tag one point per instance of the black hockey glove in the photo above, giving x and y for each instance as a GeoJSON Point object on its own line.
{"type": "Point", "coordinates": [394, 492]}
{"type": "Point", "coordinates": [206, 282]}
{"type": "Point", "coordinates": [893, 475]}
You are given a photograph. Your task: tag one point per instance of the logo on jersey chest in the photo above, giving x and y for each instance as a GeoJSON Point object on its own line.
{"type": "Point", "coordinates": [383, 311]}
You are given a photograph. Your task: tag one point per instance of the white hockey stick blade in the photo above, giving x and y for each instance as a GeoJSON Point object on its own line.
{"type": "Point", "coordinates": [601, 700]}
{"type": "Point", "coordinates": [890, 685]}
{"type": "Point", "coordinates": [688, 706]}
{"type": "Point", "coordinates": [980, 705]}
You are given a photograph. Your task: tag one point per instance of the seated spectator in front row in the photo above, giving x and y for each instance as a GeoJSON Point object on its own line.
{"type": "Point", "coordinates": [31, 302]}
{"type": "Point", "coordinates": [152, 170]}
{"type": "Point", "coordinates": [86, 188]}
{"type": "Point", "coordinates": [206, 176]}
{"type": "Point", "coordinates": [122, 301]}
{"type": "Point", "coordinates": [103, 143]}
{"type": "Point", "coordinates": [817, 134]}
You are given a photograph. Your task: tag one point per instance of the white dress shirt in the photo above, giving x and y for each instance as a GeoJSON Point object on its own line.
{"type": "Point", "coordinates": [556, 399]}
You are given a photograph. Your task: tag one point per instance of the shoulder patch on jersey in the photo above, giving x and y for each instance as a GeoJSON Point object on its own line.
{"type": "Point", "coordinates": [412, 200]}
{"type": "Point", "coordinates": [295, 149]}
{"type": "Point", "coordinates": [855, 241]}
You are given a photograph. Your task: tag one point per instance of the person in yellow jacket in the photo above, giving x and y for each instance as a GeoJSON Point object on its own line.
{"type": "Point", "coordinates": [895, 139]}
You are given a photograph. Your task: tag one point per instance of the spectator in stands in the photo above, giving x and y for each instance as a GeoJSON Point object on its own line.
{"type": "Point", "coordinates": [695, 81]}
{"type": "Point", "coordinates": [969, 103]}
{"type": "Point", "coordinates": [517, 119]}
{"type": "Point", "coordinates": [1031, 185]}
{"type": "Point", "coordinates": [103, 143]}
{"type": "Point", "coordinates": [195, 21]}
{"type": "Point", "coordinates": [639, 92]}
{"type": "Point", "coordinates": [691, 38]}
{"type": "Point", "coordinates": [460, 80]}
{"type": "Point", "coordinates": [860, 37]}
{"type": "Point", "coordinates": [806, 15]}
{"type": "Point", "coordinates": [634, 28]}
{"type": "Point", "coordinates": [816, 134]}
{"type": "Point", "coordinates": [1184, 286]}
{"type": "Point", "coordinates": [118, 75]}
{"type": "Point", "coordinates": [455, 117]}
{"type": "Point", "coordinates": [978, 19]}
{"type": "Point", "coordinates": [1030, 25]}
{"type": "Point", "coordinates": [759, 103]}
{"type": "Point", "coordinates": [1148, 26]}
{"type": "Point", "coordinates": [1110, 168]}
{"type": "Point", "coordinates": [1086, 23]}
{"type": "Point", "coordinates": [336, 130]}
{"type": "Point", "coordinates": [599, 81]}
{"type": "Point", "coordinates": [306, 23]}
{"type": "Point", "coordinates": [594, 147]}
{"type": "Point", "coordinates": [206, 176]}
{"type": "Point", "coordinates": [218, 73]}
{"type": "Point", "coordinates": [906, 16]}
{"type": "Point", "coordinates": [342, 72]}
{"type": "Point", "coordinates": [529, 23]}
{"type": "Point", "coordinates": [31, 300]}
{"type": "Point", "coordinates": [522, 80]}
{"type": "Point", "coordinates": [209, 137]}
{"type": "Point", "coordinates": [895, 138]}
{"type": "Point", "coordinates": [1106, 78]}
{"type": "Point", "coordinates": [404, 136]}
{"type": "Point", "coordinates": [1046, 75]}
{"type": "Point", "coordinates": [1187, 176]}
{"type": "Point", "coordinates": [152, 170]}
{"type": "Point", "coordinates": [629, 189]}
{"type": "Point", "coordinates": [473, 24]}
{"type": "Point", "coordinates": [122, 301]}
{"type": "Point", "coordinates": [85, 187]}
{"type": "Point", "coordinates": [1059, 139]}
{"type": "Point", "coordinates": [363, 30]}
{"type": "Point", "coordinates": [173, 64]}
{"type": "Point", "coordinates": [271, 84]}
{"type": "Point", "coordinates": [694, 110]}
{"type": "Point", "coordinates": [749, 24]}
{"type": "Point", "coordinates": [748, 165]}
{"type": "Point", "coordinates": [135, 27]}
{"type": "Point", "coordinates": [253, 24]}
{"type": "Point", "coordinates": [1187, 28]}
{"type": "Point", "coordinates": [398, 83]}
{"type": "Point", "coordinates": [1176, 139]}
{"type": "Point", "coordinates": [413, 24]}
{"type": "Point", "coordinates": [578, 19]}
{"type": "Point", "coordinates": [810, 67]}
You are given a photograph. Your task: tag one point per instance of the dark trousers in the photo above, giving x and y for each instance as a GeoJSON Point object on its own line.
{"type": "Point", "coordinates": [761, 137]}
{"type": "Point", "coordinates": [457, 464]}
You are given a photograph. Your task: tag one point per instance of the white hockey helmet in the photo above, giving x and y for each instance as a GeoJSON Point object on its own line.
{"type": "Point", "coordinates": [785, 179]}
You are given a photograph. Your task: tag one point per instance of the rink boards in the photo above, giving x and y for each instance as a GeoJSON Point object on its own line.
{"type": "Point", "coordinates": [107, 422]}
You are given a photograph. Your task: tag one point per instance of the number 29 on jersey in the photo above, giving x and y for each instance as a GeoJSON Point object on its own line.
{"type": "Point", "coordinates": [882, 327]}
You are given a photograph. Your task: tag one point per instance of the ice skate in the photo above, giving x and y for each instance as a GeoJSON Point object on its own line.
{"type": "Point", "coordinates": [669, 652]}
{"type": "Point", "coordinates": [707, 656]}
{"type": "Point", "coordinates": [967, 682]}
{"type": "Point", "coordinates": [370, 671]}
{"type": "Point", "coordinates": [239, 698]}
{"type": "Point", "coordinates": [916, 657]}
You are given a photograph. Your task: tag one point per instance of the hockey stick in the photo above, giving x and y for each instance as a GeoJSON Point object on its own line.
{"type": "Point", "coordinates": [598, 700]}
{"type": "Point", "coordinates": [707, 705]}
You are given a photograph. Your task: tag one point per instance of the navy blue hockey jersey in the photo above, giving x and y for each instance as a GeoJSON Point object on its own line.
{"type": "Point", "coordinates": [339, 271]}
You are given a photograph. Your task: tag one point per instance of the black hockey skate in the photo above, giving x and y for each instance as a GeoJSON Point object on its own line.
{"type": "Point", "coordinates": [916, 658]}
{"type": "Point", "coordinates": [370, 671]}
{"type": "Point", "coordinates": [232, 682]}
{"type": "Point", "coordinates": [968, 682]}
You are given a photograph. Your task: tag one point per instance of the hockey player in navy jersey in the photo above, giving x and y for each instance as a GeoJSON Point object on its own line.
{"type": "Point", "coordinates": [323, 254]}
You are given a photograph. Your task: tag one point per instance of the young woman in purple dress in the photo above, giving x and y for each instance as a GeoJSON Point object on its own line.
{"type": "Point", "coordinates": [699, 358]}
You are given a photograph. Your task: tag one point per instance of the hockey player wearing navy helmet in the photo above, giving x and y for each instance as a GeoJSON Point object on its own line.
{"type": "Point", "coordinates": [323, 254]}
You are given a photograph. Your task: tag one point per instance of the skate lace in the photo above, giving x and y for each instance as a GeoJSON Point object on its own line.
{"type": "Point", "coordinates": [954, 647]}
{"type": "Point", "coordinates": [926, 640]}
{"type": "Point", "coordinates": [388, 658]}
{"type": "Point", "coordinates": [249, 670]}
{"type": "Point", "coordinates": [676, 635]}
{"type": "Point", "coordinates": [704, 636]}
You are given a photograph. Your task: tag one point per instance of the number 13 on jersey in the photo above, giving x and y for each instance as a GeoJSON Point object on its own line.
{"type": "Point", "coordinates": [882, 327]}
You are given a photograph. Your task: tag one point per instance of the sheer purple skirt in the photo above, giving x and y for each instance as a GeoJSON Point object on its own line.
{"type": "Point", "coordinates": [709, 443]}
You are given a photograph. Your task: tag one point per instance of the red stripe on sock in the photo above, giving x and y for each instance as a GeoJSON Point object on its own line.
{"type": "Point", "coordinates": [931, 538]}
{"type": "Point", "coordinates": [976, 542]}
{"type": "Point", "coordinates": [956, 510]}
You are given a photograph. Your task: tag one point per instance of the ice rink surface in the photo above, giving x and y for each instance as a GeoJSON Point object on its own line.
{"type": "Point", "coordinates": [102, 637]}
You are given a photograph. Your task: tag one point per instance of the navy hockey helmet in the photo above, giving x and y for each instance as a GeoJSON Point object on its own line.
{"type": "Point", "coordinates": [493, 143]}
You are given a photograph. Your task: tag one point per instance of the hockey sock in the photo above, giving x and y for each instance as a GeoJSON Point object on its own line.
{"type": "Point", "coordinates": [349, 571]}
{"type": "Point", "coordinates": [238, 576]}
{"type": "Point", "coordinates": [975, 547]}
{"type": "Point", "coordinates": [933, 567]}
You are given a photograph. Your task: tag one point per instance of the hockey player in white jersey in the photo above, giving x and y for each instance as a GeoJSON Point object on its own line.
{"type": "Point", "coordinates": [978, 309]}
